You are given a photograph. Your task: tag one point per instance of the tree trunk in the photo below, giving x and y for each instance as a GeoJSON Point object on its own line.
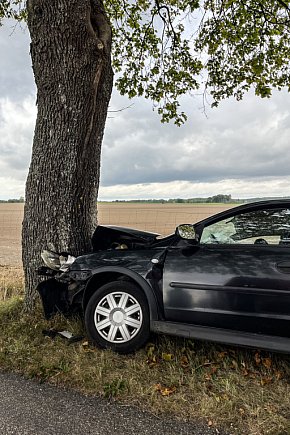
{"type": "Point", "coordinates": [70, 50]}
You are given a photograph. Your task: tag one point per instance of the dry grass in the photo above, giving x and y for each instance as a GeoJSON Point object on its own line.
{"type": "Point", "coordinates": [246, 392]}
{"type": "Point", "coordinates": [11, 282]}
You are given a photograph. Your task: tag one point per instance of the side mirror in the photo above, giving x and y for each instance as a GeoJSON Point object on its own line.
{"type": "Point", "coordinates": [186, 231]}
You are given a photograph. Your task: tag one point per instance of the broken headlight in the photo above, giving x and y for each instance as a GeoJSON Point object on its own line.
{"type": "Point", "coordinates": [56, 261]}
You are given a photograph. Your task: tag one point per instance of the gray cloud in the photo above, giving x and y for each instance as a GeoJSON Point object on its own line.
{"type": "Point", "coordinates": [16, 77]}
{"type": "Point", "coordinates": [16, 131]}
{"type": "Point", "coordinates": [239, 147]}
{"type": "Point", "coordinates": [238, 140]}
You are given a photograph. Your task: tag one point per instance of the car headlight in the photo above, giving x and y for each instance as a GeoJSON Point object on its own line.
{"type": "Point", "coordinates": [55, 261]}
{"type": "Point", "coordinates": [66, 262]}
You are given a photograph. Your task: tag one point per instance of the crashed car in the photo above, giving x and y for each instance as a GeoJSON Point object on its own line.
{"type": "Point", "coordinates": [224, 279]}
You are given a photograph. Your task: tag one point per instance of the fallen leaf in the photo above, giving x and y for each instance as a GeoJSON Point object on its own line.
{"type": "Point", "coordinates": [266, 380]}
{"type": "Point", "coordinates": [278, 375]}
{"type": "Point", "coordinates": [267, 362]}
{"type": "Point", "coordinates": [152, 361]}
{"type": "Point", "coordinates": [86, 347]}
{"type": "Point", "coordinates": [167, 356]}
{"type": "Point", "coordinates": [257, 358]}
{"type": "Point", "coordinates": [184, 361]}
{"type": "Point", "coordinates": [164, 391]}
{"type": "Point", "coordinates": [157, 387]}
{"type": "Point", "coordinates": [167, 391]}
{"type": "Point", "coordinates": [222, 355]}
{"type": "Point", "coordinates": [209, 423]}
{"type": "Point", "coordinates": [245, 372]}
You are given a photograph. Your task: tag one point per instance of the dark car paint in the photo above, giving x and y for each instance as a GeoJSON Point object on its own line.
{"type": "Point", "coordinates": [125, 263]}
{"type": "Point", "coordinates": [230, 285]}
{"type": "Point", "coordinates": [152, 293]}
{"type": "Point", "coordinates": [229, 293]}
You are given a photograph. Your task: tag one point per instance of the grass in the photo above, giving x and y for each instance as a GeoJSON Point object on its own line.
{"type": "Point", "coordinates": [243, 391]}
{"type": "Point", "coordinates": [11, 282]}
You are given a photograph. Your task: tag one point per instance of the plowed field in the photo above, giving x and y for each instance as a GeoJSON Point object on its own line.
{"type": "Point", "coordinates": [159, 218]}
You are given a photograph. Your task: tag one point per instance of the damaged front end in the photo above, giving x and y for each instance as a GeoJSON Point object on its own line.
{"type": "Point", "coordinates": [63, 289]}
{"type": "Point", "coordinates": [59, 293]}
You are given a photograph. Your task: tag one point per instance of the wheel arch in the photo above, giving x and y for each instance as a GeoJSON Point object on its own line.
{"type": "Point", "coordinates": [105, 275]}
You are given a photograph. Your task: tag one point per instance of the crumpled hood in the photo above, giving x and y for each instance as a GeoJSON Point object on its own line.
{"type": "Point", "coordinates": [105, 236]}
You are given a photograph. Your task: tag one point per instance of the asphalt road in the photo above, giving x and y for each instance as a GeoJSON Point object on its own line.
{"type": "Point", "coordinates": [30, 408]}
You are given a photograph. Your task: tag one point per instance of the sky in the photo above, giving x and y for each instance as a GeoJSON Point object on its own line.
{"type": "Point", "coordinates": [240, 148]}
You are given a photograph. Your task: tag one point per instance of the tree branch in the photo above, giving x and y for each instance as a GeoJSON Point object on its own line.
{"type": "Point", "coordinates": [282, 3]}
{"type": "Point", "coordinates": [160, 7]}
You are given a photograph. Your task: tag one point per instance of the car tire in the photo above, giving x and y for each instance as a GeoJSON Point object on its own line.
{"type": "Point", "coordinates": [117, 317]}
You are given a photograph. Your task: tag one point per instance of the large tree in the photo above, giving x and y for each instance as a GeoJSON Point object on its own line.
{"type": "Point", "coordinates": [70, 51]}
{"type": "Point", "coordinates": [160, 50]}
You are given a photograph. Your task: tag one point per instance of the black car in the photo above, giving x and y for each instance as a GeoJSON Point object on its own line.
{"type": "Point", "coordinates": [224, 279]}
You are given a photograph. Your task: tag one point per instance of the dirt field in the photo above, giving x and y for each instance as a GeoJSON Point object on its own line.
{"type": "Point", "coordinates": [159, 218]}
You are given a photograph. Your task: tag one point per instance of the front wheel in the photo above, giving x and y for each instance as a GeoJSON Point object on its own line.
{"type": "Point", "coordinates": [117, 317]}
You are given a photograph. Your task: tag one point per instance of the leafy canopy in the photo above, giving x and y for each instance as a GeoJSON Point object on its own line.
{"type": "Point", "coordinates": [163, 50]}
{"type": "Point", "coordinates": [12, 9]}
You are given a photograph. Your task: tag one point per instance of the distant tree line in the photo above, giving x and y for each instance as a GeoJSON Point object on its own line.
{"type": "Point", "coordinates": [220, 199]}
{"type": "Point", "coordinates": [13, 200]}
{"type": "Point", "coordinates": [216, 199]}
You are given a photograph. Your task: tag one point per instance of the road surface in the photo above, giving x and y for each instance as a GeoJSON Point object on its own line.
{"type": "Point", "coordinates": [30, 408]}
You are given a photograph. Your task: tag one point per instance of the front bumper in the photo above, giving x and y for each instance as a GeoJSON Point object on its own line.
{"type": "Point", "coordinates": [54, 296]}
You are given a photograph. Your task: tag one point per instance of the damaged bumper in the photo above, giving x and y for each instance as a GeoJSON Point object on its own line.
{"type": "Point", "coordinates": [62, 293]}
{"type": "Point", "coordinates": [54, 296]}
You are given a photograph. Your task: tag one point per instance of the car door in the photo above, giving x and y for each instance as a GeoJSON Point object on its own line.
{"type": "Point", "coordinates": [236, 277]}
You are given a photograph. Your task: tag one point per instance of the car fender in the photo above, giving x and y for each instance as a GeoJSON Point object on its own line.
{"type": "Point", "coordinates": [135, 277]}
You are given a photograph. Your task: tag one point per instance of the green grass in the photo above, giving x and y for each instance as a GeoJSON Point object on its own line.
{"type": "Point", "coordinates": [244, 391]}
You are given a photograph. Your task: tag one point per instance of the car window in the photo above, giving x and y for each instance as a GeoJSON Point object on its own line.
{"type": "Point", "coordinates": [261, 227]}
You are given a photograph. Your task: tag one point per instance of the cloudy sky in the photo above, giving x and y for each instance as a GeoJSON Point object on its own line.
{"type": "Point", "coordinates": [240, 148]}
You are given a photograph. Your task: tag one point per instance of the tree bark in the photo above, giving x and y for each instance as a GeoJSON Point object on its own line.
{"type": "Point", "coordinates": [70, 51]}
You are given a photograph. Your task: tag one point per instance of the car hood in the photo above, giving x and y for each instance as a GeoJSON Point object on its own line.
{"type": "Point", "coordinates": [105, 237]}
